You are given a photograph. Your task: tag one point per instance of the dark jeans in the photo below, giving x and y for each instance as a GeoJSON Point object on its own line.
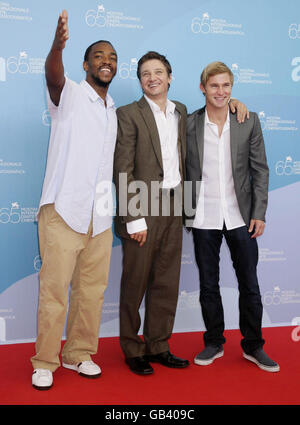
{"type": "Point", "coordinates": [244, 255]}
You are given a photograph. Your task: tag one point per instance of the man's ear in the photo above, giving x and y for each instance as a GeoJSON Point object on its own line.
{"type": "Point", "coordinates": [85, 66]}
{"type": "Point", "coordinates": [202, 88]}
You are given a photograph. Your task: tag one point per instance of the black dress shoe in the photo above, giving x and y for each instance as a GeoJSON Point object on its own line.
{"type": "Point", "coordinates": [167, 359]}
{"type": "Point", "coordinates": [139, 365]}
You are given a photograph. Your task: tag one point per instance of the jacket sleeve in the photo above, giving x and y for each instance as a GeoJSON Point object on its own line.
{"type": "Point", "coordinates": [259, 172]}
{"type": "Point", "coordinates": [128, 190]}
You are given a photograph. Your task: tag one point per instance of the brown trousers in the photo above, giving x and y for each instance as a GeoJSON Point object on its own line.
{"type": "Point", "coordinates": [152, 270]}
{"type": "Point", "coordinates": [69, 257]}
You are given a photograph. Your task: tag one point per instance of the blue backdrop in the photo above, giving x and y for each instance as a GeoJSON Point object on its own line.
{"type": "Point", "coordinates": [258, 40]}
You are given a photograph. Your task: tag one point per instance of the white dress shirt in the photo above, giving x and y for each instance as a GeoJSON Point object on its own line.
{"type": "Point", "coordinates": [167, 126]}
{"type": "Point", "coordinates": [80, 157]}
{"type": "Point", "coordinates": [217, 203]}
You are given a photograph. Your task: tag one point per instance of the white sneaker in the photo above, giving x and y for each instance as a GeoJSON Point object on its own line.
{"type": "Point", "coordinates": [89, 369]}
{"type": "Point", "coordinates": [42, 379]}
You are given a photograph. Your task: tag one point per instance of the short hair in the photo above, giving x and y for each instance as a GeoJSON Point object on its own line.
{"type": "Point", "coordinates": [87, 52]}
{"type": "Point", "coordinates": [215, 68]}
{"type": "Point", "coordinates": [153, 55]}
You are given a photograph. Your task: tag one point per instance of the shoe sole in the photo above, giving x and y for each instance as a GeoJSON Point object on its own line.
{"type": "Point", "coordinates": [178, 366]}
{"type": "Point", "coordinates": [142, 373]}
{"type": "Point", "coordinates": [148, 372]}
{"type": "Point", "coordinates": [208, 361]}
{"type": "Point", "coordinates": [260, 365]}
{"type": "Point", "coordinates": [169, 365]}
{"type": "Point", "coordinates": [85, 375]}
{"type": "Point", "coordinates": [42, 388]}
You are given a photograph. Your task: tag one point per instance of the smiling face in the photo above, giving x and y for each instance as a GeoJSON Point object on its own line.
{"type": "Point", "coordinates": [155, 79]}
{"type": "Point", "coordinates": [217, 90]}
{"type": "Point", "coordinates": [101, 64]}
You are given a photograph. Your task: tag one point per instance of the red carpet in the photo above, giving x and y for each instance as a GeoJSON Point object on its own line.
{"type": "Point", "coordinates": [230, 380]}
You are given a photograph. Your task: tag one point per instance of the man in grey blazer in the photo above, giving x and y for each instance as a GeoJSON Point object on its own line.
{"type": "Point", "coordinates": [226, 163]}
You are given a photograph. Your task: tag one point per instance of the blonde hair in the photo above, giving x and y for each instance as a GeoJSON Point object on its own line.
{"type": "Point", "coordinates": [215, 68]}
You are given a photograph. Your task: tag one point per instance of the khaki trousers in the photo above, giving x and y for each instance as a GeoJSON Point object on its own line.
{"type": "Point", "coordinates": [69, 257]}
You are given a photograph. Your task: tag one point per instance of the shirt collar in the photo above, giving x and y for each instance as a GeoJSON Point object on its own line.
{"type": "Point", "coordinates": [170, 107]}
{"type": "Point", "coordinates": [207, 120]}
{"type": "Point", "coordinates": [94, 96]}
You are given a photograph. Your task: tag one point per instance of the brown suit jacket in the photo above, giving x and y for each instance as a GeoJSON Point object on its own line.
{"type": "Point", "coordinates": [138, 156]}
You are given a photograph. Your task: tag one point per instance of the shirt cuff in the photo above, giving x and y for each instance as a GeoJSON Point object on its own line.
{"type": "Point", "coordinates": [136, 226]}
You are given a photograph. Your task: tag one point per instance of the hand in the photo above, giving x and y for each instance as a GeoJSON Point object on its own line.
{"type": "Point", "coordinates": [259, 227]}
{"type": "Point", "coordinates": [241, 109]}
{"type": "Point", "coordinates": [140, 237]}
{"type": "Point", "coordinates": [62, 31]}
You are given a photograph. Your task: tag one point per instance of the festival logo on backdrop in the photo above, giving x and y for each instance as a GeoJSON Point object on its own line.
{"type": "Point", "coordinates": [21, 64]}
{"type": "Point", "coordinates": [11, 167]}
{"type": "Point", "coordinates": [249, 75]}
{"type": "Point", "coordinates": [101, 17]}
{"type": "Point", "coordinates": [206, 24]}
{"type": "Point", "coordinates": [294, 31]}
{"type": "Point", "coordinates": [14, 214]}
{"type": "Point", "coordinates": [276, 123]}
{"type": "Point", "coordinates": [13, 12]}
{"type": "Point", "coordinates": [46, 118]}
{"type": "Point", "coordinates": [287, 167]}
{"type": "Point", "coordinates": [128, 69]}
{"type": "Point", "coordinates": [188, 300]}
{"type": "Point", "coordinates": [37, 263]}
{"type": "Point", "coordinates": [280, 296]}
{"type": "Point", "coordinates": [267, 255]}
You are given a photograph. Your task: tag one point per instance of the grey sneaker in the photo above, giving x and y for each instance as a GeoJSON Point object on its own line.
{"type": "Point", "coordinates": [208, 355]}
{"type": "Point", "coordinates": [260, 358]}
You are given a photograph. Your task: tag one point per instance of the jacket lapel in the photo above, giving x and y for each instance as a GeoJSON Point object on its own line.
{"type": "Point", "coordinates": [181, 142]}
{"type": "Point", "coordinates": [234, 138]}
{"type": "Point", "coordinates": [200, 120]}
{"type": "Point", "coordinates": [151, 124]}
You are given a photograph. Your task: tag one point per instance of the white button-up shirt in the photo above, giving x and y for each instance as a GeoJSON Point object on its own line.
{"type": "Point", "coordinates": [167, 126]}
{"type": "Point", "coordinates": [217, 203]}
{"type": "Point", "coordinates": [80, 157]}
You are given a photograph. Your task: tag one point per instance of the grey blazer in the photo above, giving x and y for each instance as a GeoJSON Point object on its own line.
{"type": "Point", "coordinates": [249, 164]}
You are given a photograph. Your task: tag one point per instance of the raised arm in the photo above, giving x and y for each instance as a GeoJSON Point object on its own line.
{"type": "Point", "coordinates": [54, 67]}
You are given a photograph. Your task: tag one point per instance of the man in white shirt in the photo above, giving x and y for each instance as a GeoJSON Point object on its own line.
{"type": "Point", "coordinates": [150, 151]}
{"type": "Point", "coordinates": [75, 233]}
{"type": "Point", "coordinates": [228, 159]}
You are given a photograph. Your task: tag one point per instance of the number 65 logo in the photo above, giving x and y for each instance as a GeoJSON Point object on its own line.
{"type": "Point", "coordinates": [294, 31]}
{"type": "Point", "coordinates": [284, 167]}
{"type": "Point", "coordinates": [128, 70]}
{"type": "Point", "coordinates": [201, 24]}
{"type": "Point", "coordinates": [10, 215]}
{"type": "Point", "coordinates": [96, 17]}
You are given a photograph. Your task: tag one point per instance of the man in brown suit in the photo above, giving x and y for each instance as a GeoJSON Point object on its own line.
{"type": "Point", "coordinates": [148, 173]}
{"type": "Point", "coordinates": [150, 148]}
